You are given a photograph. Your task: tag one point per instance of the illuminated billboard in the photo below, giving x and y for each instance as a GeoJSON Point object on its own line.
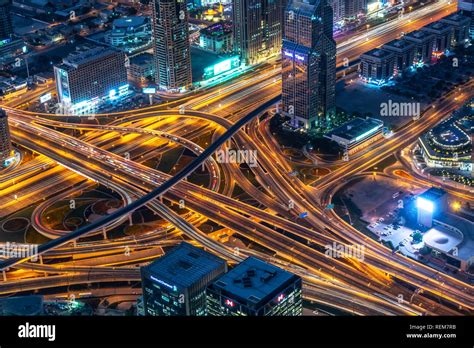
{"type": "Point", "coordinates": [45, 98]}
{"type": "Point", "coordinates": [221, 67]}
{"type": "Point", "coordinates": [149, 90]}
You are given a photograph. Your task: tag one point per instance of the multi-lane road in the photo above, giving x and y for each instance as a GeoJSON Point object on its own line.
{"type": "Point", "coordinates": [230, 115]}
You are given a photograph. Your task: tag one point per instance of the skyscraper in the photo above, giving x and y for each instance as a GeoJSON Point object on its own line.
{"type": "Point", "coordinates": [171, 45]}
{"type": "Point", "coordinates": [6, 150]}
{"type": "Point", "coordinates": [338, 9]}
{"type": "Point", "coordinates": [255, 288]}
{"type": "Point", "coordinates": [6, 27]}
{"type": "Point", "coordinates": [309, 64]}
{"type": "Point", "coordinates": [175, 284]}
{"type": "Point", "coordinates": [257, 29]}
{"type": "Point", "coordinates": [467, 9]}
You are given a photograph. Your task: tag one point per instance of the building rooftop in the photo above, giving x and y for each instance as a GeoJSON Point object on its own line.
{"type": "Point", "coordinates": [128, 22]}
{"type": "Point", "coordinates": [433, 194]}
{"type": "Point", "coordinates": [184, 265]}
{"type": "Point", "coordinates": [81, 57]}
{"type": "Point", "coordinates": [398, 44]}
{"type": "Point", "coordinates": [442, 238]}
{"type": "Point", "coordinates": [455, 18]}
{"type": "Point", "coordinates": [449, 134]}
{"type": "Point", "coordinates": [304, 7]}
{"type": "Point", "coordinates": [437, 27]}
{"type": "Point", "coordinates": [141, 59]}
{"type": "Point", "coordinates": [377, 53]}
{"type": "Point", "coordinates": [356, 129]}
{"type": "Point", "coordinates": [253, 281]}
{"type": "Point", "coordinates": [218, 29]}
{"type": "Point", "coordinates": [418, 35]}
{"type": "Point", "coordinates": [21, 305]}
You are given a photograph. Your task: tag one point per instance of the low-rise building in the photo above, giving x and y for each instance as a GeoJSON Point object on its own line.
{"type": "Point", "coordinates": [356, 134]}
{"type": "Point", "coordinates": [141, 68]}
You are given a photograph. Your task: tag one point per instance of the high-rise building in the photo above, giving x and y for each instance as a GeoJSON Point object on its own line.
{"type": "Point", "coordinates": [352, 8]}
{"type": "Point", "coordinates": [6, 27]}
{"type": "Point", "coordinates": [6, 150]}
{"type": "Point", "coordinates": [257, 29]}
{"type": "Point", "coordinates": [377, 66]}
{"type": "Point", "coordinates": [338, 9]}
{"type": "Point", "coordinates": [404, 53]}
{"type": "Point", "coordinates": [467, 9]}
{"type": "Point", "coordinates": [309, 64]}
{"type": "Point", "coordinates": [423, 42]}
{"type": "Point", "coordinates": [255, 288]}
{"type": "Point", "coordinates": [443, 36]}
{"type": "Point", "coordinates": [460, 25]}
{"type": "Point", "coordinates": [175, 284]}
{"type": "Point", "coordinates": [171, 45]}
{"type": "Point", "coordinates": [89, 77]}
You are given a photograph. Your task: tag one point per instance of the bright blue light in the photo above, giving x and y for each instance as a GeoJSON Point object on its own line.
{"type": "Point", "coordinates": [112, 93]}
{"type": "Point", "coordinates": [373, 130]}
{"type": "Point", "coordinates": [423, 203]}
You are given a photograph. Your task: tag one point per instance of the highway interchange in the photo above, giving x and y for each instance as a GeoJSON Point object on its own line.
{"type": "Point", "coordinates": [110, 150]}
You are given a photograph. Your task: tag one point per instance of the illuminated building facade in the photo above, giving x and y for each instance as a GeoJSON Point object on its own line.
{"type": "Point", "coordinates": [257, 29]}
{"type": "Point", "coordinates": [255, 288]}
{"type": "Point", "coordinates": [87, 79]}
{"type": "Point", "coordinates": [6, 150]}
{"type": "Point", "coordinates": [309, 64]}
{"type": "Point", "coordinates": [430, 204]}
{"type": "Point", "coordinates": [171, 45]}
{"type": "Point", "coordinates": [175, 284]}
{"type": "Point", "coordinates": [377, 66]}
{"type": "Point", "coordinates": [222, 66]}
{"type": "Point", "coordinates": [6, 27]}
